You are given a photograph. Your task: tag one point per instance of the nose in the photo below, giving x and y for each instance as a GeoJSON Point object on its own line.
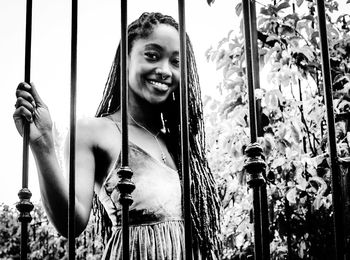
{"type": "Point", "coordinates": [163, 70]}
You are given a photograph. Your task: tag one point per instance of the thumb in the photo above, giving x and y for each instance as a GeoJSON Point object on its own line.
{"type": "Point", "coordinates": [36, 96]}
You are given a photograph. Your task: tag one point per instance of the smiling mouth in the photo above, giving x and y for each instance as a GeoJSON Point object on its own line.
{"type": "Point", "coordinates": [158, 85]}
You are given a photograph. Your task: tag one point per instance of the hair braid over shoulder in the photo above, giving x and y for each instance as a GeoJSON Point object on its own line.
{"type": "Point", "coordinates": [205, 205]}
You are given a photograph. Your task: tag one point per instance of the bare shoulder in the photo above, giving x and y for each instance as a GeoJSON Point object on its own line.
{"type": "Point", "coordinates": [99, 137]}
{"type": "Point", "coordinates": [96, 131]}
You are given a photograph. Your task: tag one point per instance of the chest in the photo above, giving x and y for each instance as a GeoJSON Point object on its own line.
{"type": "Point", "coordinates": [108, 148]}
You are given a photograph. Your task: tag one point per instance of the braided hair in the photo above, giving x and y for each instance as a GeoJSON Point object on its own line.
{"type": "Point", "coordinates": [205, 205]}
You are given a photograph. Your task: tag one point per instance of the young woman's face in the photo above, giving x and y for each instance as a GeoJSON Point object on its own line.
{"type": "Point", "coordinates": [154, 71]}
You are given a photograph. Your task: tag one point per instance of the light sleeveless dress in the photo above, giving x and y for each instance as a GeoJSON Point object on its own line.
{"type": "Point", "coordinates": [155, 217]}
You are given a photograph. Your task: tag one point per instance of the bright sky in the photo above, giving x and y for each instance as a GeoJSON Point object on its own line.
{"type": "Point", "coordinates": [98, 37]}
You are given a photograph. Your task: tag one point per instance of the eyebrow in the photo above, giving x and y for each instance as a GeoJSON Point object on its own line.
{"type": "Point", "coordinates": [157, 47]}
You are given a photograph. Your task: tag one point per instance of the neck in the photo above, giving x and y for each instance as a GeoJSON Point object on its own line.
{"type": "Point", "coordinates": [148, 116]}
{"type": "Point", "coordinates": [143, 113]}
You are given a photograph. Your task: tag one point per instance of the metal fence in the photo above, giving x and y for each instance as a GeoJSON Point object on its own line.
{"type": "Point", "coordinates": [255, 164]}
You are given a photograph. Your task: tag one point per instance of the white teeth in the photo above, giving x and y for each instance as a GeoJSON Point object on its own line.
{"type": "Point", "coordinates": [159, 85]}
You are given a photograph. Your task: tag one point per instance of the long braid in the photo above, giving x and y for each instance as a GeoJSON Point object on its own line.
{"type": "Point", "coordinates": [205, 205]}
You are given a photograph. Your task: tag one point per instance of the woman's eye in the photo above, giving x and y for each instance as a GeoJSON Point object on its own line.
{"type": "Point", "coordinates": [152, 56]}
{"type": "Point", "coordinates": [176, 62]}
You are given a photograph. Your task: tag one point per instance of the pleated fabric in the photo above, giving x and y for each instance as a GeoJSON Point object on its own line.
{"type": "Point", "coordinates": [159, 241]}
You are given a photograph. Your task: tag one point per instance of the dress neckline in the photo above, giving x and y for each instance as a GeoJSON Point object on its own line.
{"type": "Point", "coordinates": [132, 145]}
{"type": "Point", "coordinates": [137, 147]}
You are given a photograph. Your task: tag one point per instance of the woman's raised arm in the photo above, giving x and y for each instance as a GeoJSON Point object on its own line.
{"type": "Point", "coordinates": [53, 184]}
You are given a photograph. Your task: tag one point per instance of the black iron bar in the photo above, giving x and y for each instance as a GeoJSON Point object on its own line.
{"type": "Point", "coordinates": [255, 64]}
{"type": "Point", "coordinates": [256, 85]}
{"type": "Point", "coordinates": [254, 151]}
{"type": "Point", "coordinates": [249, 71]}
{"type": "Point", "coordinates": [124, 120]}
{"type": "Point", "coordinates": [125, 185]}
{"type": "Point", "coordinates": [72, 133]}
{"type": "Point", "coordinates": [264, 221]}
{"type": "Point", "coordinates": [332, 144]}
{"type": "Point", "coordinates": [24, 206]}
{"type": "Point", "coordinates": [252, 124]}
{"type": "Point", "coordinates": [185, 170]}
{"type": "Point", "coordinates": [124, 83]}
{"type": "Point", "coordinates": [28, 47]}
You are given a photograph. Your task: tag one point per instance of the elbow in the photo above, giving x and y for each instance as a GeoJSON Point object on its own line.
{"type": "Point", "coordinates": [63, 230]}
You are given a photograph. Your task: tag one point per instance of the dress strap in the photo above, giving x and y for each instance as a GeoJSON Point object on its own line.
{"type": "Point", "coordinates": [115, 123]}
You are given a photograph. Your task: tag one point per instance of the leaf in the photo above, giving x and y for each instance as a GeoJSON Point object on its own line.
{"type": "Point", "coordinates": [318, 202]}
{"type": "Point", "coordinates": [262, 20]}
{"type": "Point", "coordinates": [307, 51]}
{"type": "Point", "coordinates": [300, 2]}
{"type": "Point", "coordinates": [282, 6]}
{"type": "Point", "coordinates": [278, 162]}
{"type": "Point", "coordinates": [294, 17]}
{"type": "Point", "coordinates": [291, 195]}
{"type": "Point", "coordinates": [239, 8]}
{"type": "Point", "coordinates": [210, 2]}
{"type": "Point", "coordinates": [308, 17]}
{"type": "Point", "coordinates": [272, 37]}
{"type": "Point", "coordinates": [332, 32]}
{"type": "Point", "coordinates": [267, 56]}
{"type": "Point", "coordinates": [302, 182]}
{"type": "Point", "coordinates": [295, 133]}
{"type": "Point", "coordinates": [265, 11]}
{"type": "Point", "coordinates": [233, 83]}
{"type": "Point", "coordinates": [286, 30]}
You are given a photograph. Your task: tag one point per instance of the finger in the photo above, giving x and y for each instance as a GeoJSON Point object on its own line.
{"type": "Point", "coordinates": [23, 102]}
{"type": "Point", "coordinates": [21, 94]}
{"type": "Point", "coordinates": [36, 96]}
{"type": "Point", "coordinates": [24, 86]}
{"type": "Point", "coordinates": [23, 112]}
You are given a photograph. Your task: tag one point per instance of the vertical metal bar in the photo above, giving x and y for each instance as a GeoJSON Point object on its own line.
{"type": "Point", "coordinates": [25, 206]}
{"type": "Point", "coordinates": [125, 185]}
{"type": "Point", "coordinates": [252, 123]}
{"type": "Point", "coordinates": [332, 144]}
{"type": "Point", "coordinates": [254, 151]}
{"type": "Point", "coordinates": [255, 64]}
{"type": "Point", "coordinates": [249, 69]}
{"type": "Point", "coordinates": [264, 222]}
{"type": "Point", "coordinates": [184, 132]}
{"type": "Point", "coordinates": [124, 119]}
{"type": "Point", "coordinates": [28, 46]}
{"type": "Point", "coordinates": [73, 82]}
{"type": "Point", "coordinates": [256, 85]}
{"type": "Point", "coordinates": [124, 82]}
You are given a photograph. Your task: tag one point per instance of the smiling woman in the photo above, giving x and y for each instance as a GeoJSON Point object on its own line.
{"type": "Point", "coordinates": [154, 65]}
{"type": "Point", "coordinates": [156, 215]}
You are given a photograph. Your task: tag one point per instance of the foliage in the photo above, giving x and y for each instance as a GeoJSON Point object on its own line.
{"type": "Point", "coordinates": [294, 132]}
{"type": "Point", "coordinates": [44, 241]}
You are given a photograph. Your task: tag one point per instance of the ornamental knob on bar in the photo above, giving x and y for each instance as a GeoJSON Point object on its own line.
{"type": "Point", "coordinates": [24, 206]}
{"type": "Point", "coordinates": [125, 185]}
{"type": "Point", "coordinates": [255, 164]}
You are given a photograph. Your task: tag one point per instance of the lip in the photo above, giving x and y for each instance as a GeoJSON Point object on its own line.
{"type": "Point", "coordinates": [159, 85]}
